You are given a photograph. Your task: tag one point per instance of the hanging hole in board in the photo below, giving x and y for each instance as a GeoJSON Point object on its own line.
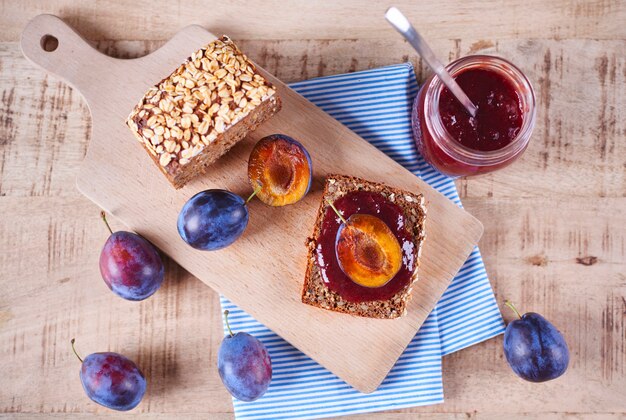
{"type": "Point", "coordinates": [49, 43]}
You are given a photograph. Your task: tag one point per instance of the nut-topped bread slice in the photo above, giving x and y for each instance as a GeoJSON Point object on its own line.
{"type": "Point", "coordinates": [410, 218]}
{"type": "Point", "coordinates": [196, 114]}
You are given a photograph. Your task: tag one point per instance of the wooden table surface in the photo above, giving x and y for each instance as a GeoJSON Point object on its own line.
{"type": "Point", "coordinates": [554, 242]}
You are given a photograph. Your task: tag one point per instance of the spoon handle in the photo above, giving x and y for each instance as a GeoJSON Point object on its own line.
{"type": "Point", "coordinates": [402, 25]}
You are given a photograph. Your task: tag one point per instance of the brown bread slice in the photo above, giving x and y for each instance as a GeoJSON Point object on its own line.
{"type": "Point", "coordinates": [315, 292]}
{"type": "Point", "coordinates": [202, 109]}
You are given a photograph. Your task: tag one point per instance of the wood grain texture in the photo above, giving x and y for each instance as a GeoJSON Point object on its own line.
{"type": "Point", "coordinates": [562, 203]}
{"type": "Point", "coordinates": [327, 19]}
{"type": "Point", "coordinates": [264, 271]}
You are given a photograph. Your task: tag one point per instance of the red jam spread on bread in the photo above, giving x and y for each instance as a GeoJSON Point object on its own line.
{"type": "Point", "coordinates": [374, 204]}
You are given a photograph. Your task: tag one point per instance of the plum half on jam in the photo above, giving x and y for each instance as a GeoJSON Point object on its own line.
{"type": "Point", "coordinates": [367, 250]}
{"type": "Point", "coordinates": [282, 166]}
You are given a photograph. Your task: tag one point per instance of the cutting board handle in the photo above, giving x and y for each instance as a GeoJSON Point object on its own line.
{"type": "Point", "coordinates": [55, 46]}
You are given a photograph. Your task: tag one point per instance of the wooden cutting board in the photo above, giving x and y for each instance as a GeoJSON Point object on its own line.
{"type": "Point", "coordinates": [263, 271]}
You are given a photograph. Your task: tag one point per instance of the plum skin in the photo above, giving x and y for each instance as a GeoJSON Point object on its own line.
{"type": "Point", "coordinates": [112, 381]}
{"type": "Point", "coordinates": [131, 266]}
{"type": "Point", "coordinates": [213, 219]}
{"type": "Point", "coordinates": [268, 152]}
{"type": "Point", "coordinates": [245, 366]}
{"type": "Point", "coordinates": [535, 349]}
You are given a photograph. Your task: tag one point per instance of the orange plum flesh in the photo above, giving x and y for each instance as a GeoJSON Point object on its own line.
{"type": "Point", "coordinates": [367, 250]}
{"type": "Point", "coordinates": [282, 166]}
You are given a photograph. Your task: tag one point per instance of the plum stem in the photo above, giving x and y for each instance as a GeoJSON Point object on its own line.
{"type": "Point", "coordinates": [74, 349]}
{"type": "Point", "coordinates": [104, 218]}
{"type": "Point", "coordinates": [227, 324]}
{"type": "Point", "coordinates": [336, 211]}
{"type": "Point", "coordinates": [255, 192]}
{"type": "Point", "coordinates": [510, 305]}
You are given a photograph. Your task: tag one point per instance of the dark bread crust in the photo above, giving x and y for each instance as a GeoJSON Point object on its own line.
{"type": "Point", "coordinates": [200, 110]}
{"type": "Point", "coordinates": [179, 175]}
{"type": "Point", "coordinates": [315, 292]}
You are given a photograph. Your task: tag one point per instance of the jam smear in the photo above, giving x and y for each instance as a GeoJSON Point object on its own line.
{"type": "Point", "coordinates": [499, 118]}
{"type": "Point", "coordinates": [374, 204]}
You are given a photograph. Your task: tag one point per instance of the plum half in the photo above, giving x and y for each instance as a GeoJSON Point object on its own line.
{"type": "Point", "coordinates": [367, 250]}
{"type": "Point", "coordinates": [282, 167]}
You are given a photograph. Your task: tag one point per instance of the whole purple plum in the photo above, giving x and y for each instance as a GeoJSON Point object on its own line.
{"type": "Point", "coordinates": [213, 219]}
{"type": "Point", "coordinates": [244, 365]}
{"type": "Point", "coordinates": [112, 380]}
{"type": "Point", "coordinates": [130, 265]}
{"type": "Point", "coordinates": [534, 348]}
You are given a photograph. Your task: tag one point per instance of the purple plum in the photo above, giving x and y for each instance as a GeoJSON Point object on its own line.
{"type": "Point", "coordinates": [244, 365]}
{"type": "Point", "coordinates": [534, 348]}
{"type": "Point", "coordinates": [213, 219]}
{"type": "Point", "coordinates": [130, 265]}
{"type": "Point", "coordinates": [112, 380]}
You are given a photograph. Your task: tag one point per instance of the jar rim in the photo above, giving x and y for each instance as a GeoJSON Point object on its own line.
{"type": "Point", "coordinates": [460, 152]}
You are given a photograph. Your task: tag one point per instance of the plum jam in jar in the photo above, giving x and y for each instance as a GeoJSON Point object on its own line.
{"type": "Point", "coordinates": [456, 143]}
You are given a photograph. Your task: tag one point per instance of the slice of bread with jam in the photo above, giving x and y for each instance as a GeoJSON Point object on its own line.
{"type": "Point", "coordinates": [326, 285]}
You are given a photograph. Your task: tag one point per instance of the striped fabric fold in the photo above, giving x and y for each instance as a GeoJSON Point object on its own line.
{"type": "Point", "coordinates": [302, 389]}
{"type": "Point", "coordinates": [376, 104]}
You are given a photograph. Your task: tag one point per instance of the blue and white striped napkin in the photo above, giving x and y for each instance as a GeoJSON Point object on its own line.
{"type": "Point", "coordinates": [376, 104]}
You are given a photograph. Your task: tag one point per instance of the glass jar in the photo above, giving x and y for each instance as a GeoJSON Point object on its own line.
{"type": "Point", "coordinates": [447, 154]}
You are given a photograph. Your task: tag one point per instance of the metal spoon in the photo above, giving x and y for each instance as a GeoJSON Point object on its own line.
{"type": "Point", "coordinates": [402, 25]}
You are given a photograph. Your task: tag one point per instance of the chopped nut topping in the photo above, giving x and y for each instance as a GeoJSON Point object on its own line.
{"type": "Point", "coordinates": [213, 90]}
{"type": "Point", "coordinates": [165, 159]}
